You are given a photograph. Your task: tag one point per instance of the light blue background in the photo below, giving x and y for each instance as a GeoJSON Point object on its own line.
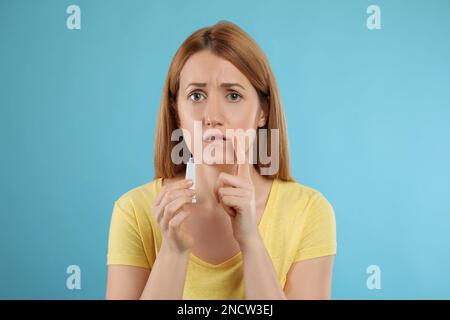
{"type": "Point", "coordinates": [368, 118]}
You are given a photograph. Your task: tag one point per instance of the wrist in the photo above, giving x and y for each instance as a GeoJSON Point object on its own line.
{"type": "Point", "coordinates": [251, 243]}
{"type": "Point", "coordinates": [173, 250]}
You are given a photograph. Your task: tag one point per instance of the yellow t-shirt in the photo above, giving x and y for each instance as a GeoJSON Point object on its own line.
{"type": "Point", "coordinates": [298, 224]}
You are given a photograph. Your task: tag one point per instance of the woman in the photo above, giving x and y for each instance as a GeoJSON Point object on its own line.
{"type": "Point", "coordinates": [249, 235]}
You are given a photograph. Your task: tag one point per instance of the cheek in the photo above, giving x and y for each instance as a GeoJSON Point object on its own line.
{"type": "Point", "coordinates": [190, 121]}
{"type": "Point", "coordinates": [245, 119]}
{"type": "Point", "coordinates": [188, 116]}
{"type": "Point", "coordinates": [242, 117]}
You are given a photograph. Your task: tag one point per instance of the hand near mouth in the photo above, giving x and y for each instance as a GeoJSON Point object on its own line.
{"type": "Point", "coordinates": [236, 194]}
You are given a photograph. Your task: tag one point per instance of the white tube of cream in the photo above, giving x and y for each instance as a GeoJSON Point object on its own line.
{"type": "Point", "coordinates": [190, 175]}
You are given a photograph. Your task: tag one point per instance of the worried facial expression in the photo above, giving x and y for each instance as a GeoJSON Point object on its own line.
{"type": "Point", "coordinates": [214, 93]}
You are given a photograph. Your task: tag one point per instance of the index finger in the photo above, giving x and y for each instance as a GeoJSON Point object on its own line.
{"type": "Point", "coordinates": [182, 184]}
{"type": "Point", "coordinates": [243, 169]}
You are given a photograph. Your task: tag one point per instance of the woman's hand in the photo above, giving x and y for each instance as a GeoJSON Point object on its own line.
{"type": "Point", "coordinates": [168, 210]}
{"type": "Point", "coordinates": [236, 194]}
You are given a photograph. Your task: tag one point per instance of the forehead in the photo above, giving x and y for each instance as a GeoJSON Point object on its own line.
{"type": "Point", "coordinates": [206, 67]}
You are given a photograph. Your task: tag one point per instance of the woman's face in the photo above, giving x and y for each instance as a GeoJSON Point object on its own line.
{"type": "Point", "coordinates": [214, 94]}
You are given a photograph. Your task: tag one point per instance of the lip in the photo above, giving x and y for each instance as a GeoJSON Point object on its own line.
{"type": "Point", "coordinates": [214, 137]}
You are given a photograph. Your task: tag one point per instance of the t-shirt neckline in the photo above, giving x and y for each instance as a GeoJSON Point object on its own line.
{"type": "Point", "coordinates": [261, 226]}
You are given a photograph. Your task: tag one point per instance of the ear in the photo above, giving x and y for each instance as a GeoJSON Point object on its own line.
{"type": "Point", "coordinates": [262, 118]}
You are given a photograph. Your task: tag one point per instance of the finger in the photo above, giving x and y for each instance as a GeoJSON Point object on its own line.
{"type": "Point", "coordinates": [229, 210]}
{"type": "Point", "coordinates": [172, 209]}
{"type": "Point", "coordinates": [237, 192]}
{"type": "Point", "coordinates": [174, 194]}
{"type": "Point", "coordinates": [243, 169]}
{"type": "Point", "coordinates": [231, 180]}
{"type": "Point", "coordinates": [169, 197]}
{"type": "Point", "coordinates": [231, 202]}
{"type": "Point", "coordinates": [178, 219]}
{"type": "Point", "coordinates": [182, 184]}
{"type": "Point", "coordinates": [226, 179]}
{"type": "Point", "coordinates": [217, 185]}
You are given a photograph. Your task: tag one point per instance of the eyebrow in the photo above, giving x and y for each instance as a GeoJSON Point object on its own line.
{"type": "Point", "coordinates": [223, 85]}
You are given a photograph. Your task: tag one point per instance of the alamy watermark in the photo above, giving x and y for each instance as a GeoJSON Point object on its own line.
{"type": "Point", "coordinates": [374, 20]}
{"type": "Point", "coordinates": [215, 147]}
{"type": "Point", "coordinates": [73, 21]}
{"type": "Point", "coordinates": [73, 281]}
{"type": "Point", "coordinates": [374, 280]}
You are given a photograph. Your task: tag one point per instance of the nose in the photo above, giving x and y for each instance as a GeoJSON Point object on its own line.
{"type": "Point", "coordinates": [213, 116]}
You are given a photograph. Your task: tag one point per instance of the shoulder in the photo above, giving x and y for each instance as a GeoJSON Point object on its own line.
{"type": "Point", "coordinates": [310, 212]}
{"type": "Point", "coordinates": [304, 205]}
{"type": "Point", "coordinates": [140, 197]}
{"type": "Point", "coordinates": [300, 195]}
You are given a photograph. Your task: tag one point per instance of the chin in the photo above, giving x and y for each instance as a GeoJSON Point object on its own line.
{"type": "Point", "coordinates": [218, 159]}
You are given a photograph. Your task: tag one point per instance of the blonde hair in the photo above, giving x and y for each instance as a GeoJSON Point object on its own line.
{"type": "Point", "coordinates": [226, 40]}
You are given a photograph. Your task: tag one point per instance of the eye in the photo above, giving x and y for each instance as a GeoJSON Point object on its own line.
{"type": "Point", "coordinates": [234, 97]}
{"type": "Point", "coordinates": [196, 96]}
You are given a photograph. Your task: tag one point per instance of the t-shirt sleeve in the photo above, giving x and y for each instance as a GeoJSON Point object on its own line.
{"type": "Point", "coordinates": [125, 244]}
{"type": "Point", "coordinates": [319, 232]}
